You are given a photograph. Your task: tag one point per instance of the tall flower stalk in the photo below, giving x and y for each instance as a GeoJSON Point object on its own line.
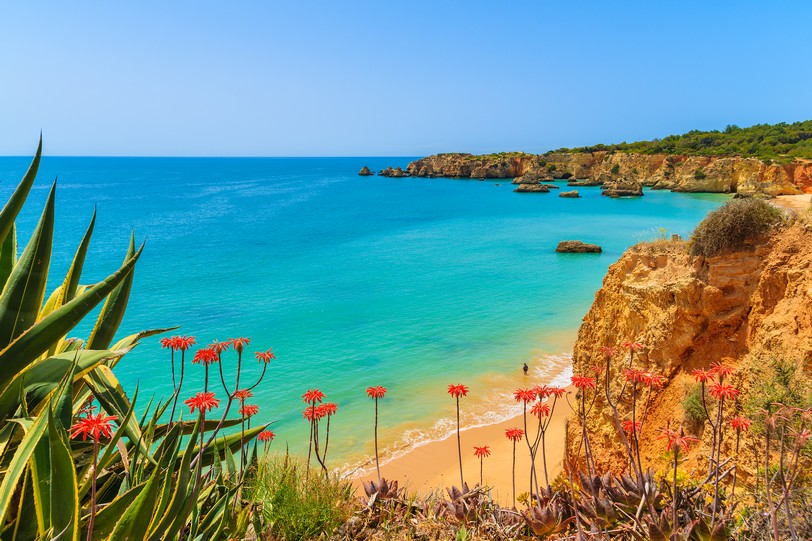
{"type": "Point", "coordinates": [514, 435]}
{"type": "Point", "coordinates": [582, 409]}
{"type": "Point", "coordinates": [524, 396]}
{"type": "Point", "coordinates": [96, 426]}
{"type": "Point", "coordinates": [544, 412]}
{"type": "Point", "coordinates": [739, 424]}
{"type": "Point", "coordinates": [458, 391]}
{"type": "Point", "coordinates": [481, 453]}
{"type": "Point", "coordinates": [266, 437]}
{"type": "Point", "coordinates": [677, 441]}
{"type": "Point", "coordinates": [311, 397]}
{"type": "Point", "coordinates": [177, 343]}
{"type": "Point", "coordinates": [376, 393]}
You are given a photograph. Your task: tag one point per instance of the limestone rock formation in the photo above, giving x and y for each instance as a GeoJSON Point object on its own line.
{"type": "Point", "coordinates": [577, 247]}
{"type": "Point", "coordinates": [365, 172]}
{"type": "Point", "coordinates": [661, 171]}
{"type": "Point", "coordinates": [532, 188]}
{"type": "Point", "coordinates": [622, 188]}
{"type": "Point", "coordinates": [571, 194]}
{"type": "Point", "coordinates": [688, 312]}
{"type": "Point", "coordinates": [396, 172]}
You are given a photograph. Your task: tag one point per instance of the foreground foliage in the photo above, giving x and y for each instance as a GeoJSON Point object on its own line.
{"type": "Point", "coordinates": [142, 480]}
{"type": "Point", "coordinates": [730, 227]}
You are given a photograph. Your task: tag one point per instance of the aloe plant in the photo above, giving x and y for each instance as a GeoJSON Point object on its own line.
{"type": "Point", "coordinates": [136, 484]}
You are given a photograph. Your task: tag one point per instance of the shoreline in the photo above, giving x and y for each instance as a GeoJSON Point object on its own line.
{"type": "Point", "coordinates": [426, 470]}
{"type": "Point", "coordinates": [793, 202]}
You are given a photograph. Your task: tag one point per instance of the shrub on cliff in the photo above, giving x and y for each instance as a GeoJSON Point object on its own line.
{"type": "Point", "coordinates": [730, 227]}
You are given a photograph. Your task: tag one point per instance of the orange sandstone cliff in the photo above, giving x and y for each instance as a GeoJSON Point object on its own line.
{"type": "Point", "coordinates": [739, 308]}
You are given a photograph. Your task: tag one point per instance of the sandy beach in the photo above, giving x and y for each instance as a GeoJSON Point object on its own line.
{"type": "Point", "coordinates": [793, 202]}
{"type": "Point", "coordinates": [435, 466]}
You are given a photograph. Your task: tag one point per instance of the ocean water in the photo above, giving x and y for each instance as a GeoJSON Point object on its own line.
{"type": "Point", "coordinates": [354, 281]}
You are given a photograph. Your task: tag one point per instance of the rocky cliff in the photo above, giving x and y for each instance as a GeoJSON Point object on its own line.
{"type": "Point", "coordinates": [738, 308]}
{"type": "Point", "coordinates": [748, 176]}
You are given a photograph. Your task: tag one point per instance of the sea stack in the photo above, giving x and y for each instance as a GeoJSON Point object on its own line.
{"type": "Point", "coordinates": [365, 172]}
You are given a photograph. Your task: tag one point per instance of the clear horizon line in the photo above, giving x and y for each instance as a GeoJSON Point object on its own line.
{"type": "Point", "coordinates": [204, 157]}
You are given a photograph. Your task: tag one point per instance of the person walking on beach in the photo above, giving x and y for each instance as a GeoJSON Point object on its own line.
{"type": "Point", "coordinates": [524, 369]}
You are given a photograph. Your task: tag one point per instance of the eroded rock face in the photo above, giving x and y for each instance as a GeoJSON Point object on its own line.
{"type": "Point", "coordinates": [622, 188]}
{"type": "Point", "coordinates": [532, 188]}
{"type": "Point", "coordinates": [573, 194]}
{"type": "Point", "coordinates": [577, 247]}
{"type": "Point", "coordinates": [688, 312]}
{"type": "Point", "coordinates": [661, 171]}
{"type": "Point", "coordinates": [365, 172]}
{"type": "Point", "coordinates": [396, 172]}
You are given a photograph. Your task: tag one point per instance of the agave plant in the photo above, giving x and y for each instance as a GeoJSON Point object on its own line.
{"type": "Point", "coordinates": [143, 472]}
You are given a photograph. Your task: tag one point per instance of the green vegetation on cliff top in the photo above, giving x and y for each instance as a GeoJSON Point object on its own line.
{"type": "Point", "coordinates": [779, 142]}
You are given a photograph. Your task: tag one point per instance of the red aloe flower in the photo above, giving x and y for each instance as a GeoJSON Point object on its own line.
{"type": "Point", "coordinates": [376, 392]}
{"type": "Point", "coordinates": [633, 346]}
{"type": "Point", "coordinates": [741, 423]}
{"type": "Point", "coordinates": [540, 410]}
{"type": "Point", "coordinates": [266, 435]}
{"type": "Point", "coordinates": [240, 343]}
{"type": "Point", "coordinates": [265, 356]}
{"type": "Point", "coordinates": [312, 396]}
{"type": "Point", "coordinates": [524, 395]}
{"type": "Point", "coordinates": [677, 440]}
{"type": "Point", "coordinates": [514, 434]}
{"type": "Point", "coordinates": [608, 351]}
{"type": "Point", "coordinates": [632, 427]}
{"type": "Point", "coordinates": [482, 452]}
{"type": "Point", "coordinates": [329, 408]}
{"type": "Point", "coordinates": [655, 381]}
{"type": "Point", "coordinates": [583, 382]}
{"type": "Point", "coordinates": [542, 391]}
{"type": "Point", "coordinates": [702, 376]}
{"type": "Point", "coordinates": [312, 413]}
{"type": "Point", "coordinates": [457, 390]}
{"type": "Point", "coordinates": [96, 425]}
{"type": "Point", "coordinates": [632, 375]}
{"type": "Point", "coordinates": [205, 356]}
{"type": "Point", "coordinates": [249, 410]}
{"type": "Point", "coordinates": [720, 391]}
{"type": "Point", "coordinates": [720, 370]}
{"type": "Point", "coordinates": [168, 343]}
{"type": "Point", "coordinates": [219, 347]}
{"type": "Point", "coordinates": [558, 392]}
{"type": "Point", "coordinates": [182, 343]}
{"type": "Point", "coordinates": [202, 402]}
{"type": "Point", "coordinates": [242, 394]}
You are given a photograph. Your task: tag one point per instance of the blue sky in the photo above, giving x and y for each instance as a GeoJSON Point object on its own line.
{"type": "Point", "coordinates": [315, 78]}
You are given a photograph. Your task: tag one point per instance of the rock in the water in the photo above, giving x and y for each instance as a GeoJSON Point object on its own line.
{"type": "Point", "coordinates": [365, 172]}
{"type": "Point", "coordinates": [584, 182]}
{"type": "Point", "coordinates": [573, 194]}
{"type": "Point", "coordinates": [551, 186]}
{"type": "Point", "coordinates": [622, 188]}
{"type": "Point", "coordinates": [396, 172]}
{"type": "Point", "coordinates": [532, 188]}
{"type": "Point", "coordinates": [577, 247]}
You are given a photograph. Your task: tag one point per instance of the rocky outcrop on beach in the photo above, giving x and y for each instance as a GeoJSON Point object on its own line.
{"type": "Point", "coordinates": [622, 188]}
{"type": "Point", "coordinates": [571, 194]}
{"type": "Point", "coordinates": [577, 247]}
{"type": "Point", "coordinates": [532, 188]}
{"type": "Point", "coordinates": [677, 173]}
{"type": "Point", "coordinates": [365, 172]}
{"type": "Point", "coordinates": [740, 308]}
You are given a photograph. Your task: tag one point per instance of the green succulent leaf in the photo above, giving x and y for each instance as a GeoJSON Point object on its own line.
{"type": "Point", "coordinates": [113, 310]}
{"type": "Point", "coordinates": [17, 199]}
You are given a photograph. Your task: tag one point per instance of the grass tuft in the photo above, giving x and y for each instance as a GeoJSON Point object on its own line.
{"type": "Point", "coordinates": [730, 227]}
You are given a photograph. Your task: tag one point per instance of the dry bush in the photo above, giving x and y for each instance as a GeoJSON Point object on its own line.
{"type": "Point", "coordinates": [729, 228]}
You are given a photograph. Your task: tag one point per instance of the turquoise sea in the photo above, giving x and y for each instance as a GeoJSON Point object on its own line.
{"type": "Point", "coordinates": [354, 281]}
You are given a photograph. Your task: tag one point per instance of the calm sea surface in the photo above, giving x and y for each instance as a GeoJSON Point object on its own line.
{"type": "Point", "coordinates": [354, 281]}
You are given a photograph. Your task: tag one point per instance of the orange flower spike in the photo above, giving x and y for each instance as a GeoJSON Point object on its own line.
{"type": "Point", "coordinates": [677, 440]}
{"type": "Point", "coordinates": [540, 410]}
{"type": "Point", "coordinates": [482, 452]}
{"type": "Point", "coordinates": [608, 351]}
{"type": "Point", "coordinates": [632, 375]}
{"type": "Point", "coordinates": [265, 356]}
{"type": "Point", "coordinates": [514, 434]}
{"type": "Point", "coordinates": [631, 427]}
{"type": "Point", "coordinates": [633, 346]}
{"type": "Point", "coordinates": [205, 356]}
{"type": "Point", "coordinates": [312, 396]}
{"type": "Point", "coordinates": [741, 423]}
{"type": "Point", "coordinates": [242, 394]}
{"type": "Point", "coordinates": [329, 408]}
{"type": "Point", "coordinates": [720, 391]}
{"type": "Point", "coordinates": [249, 410]}
{"type": "Point", "coordinates": [266, 435]}
{"type": "Point", "coordinates": [525, 395]}
{"type": "Point", "coordinates": [95, 425]}
{"type": "Point", "coordinates": [558, 392]}
{"type": "Point", "coordinates": [240, 343]}
{"type": "Point", "coordinates": [702, 376]}
{"type": "Point", "coordinates": [219, 347]}
{"type": "Point", "coordinates": [654, 381]}
{"type": "Point", "coordinates": [376, 392]}
{"type": "Point", "coordinates": [583, 382]}
{"type": "Point", "coordinates": [457, 390]}
{"type": "Point", "coordinates": [720, 370]}
{"type": "Point", "coordinates": [202, 402]}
